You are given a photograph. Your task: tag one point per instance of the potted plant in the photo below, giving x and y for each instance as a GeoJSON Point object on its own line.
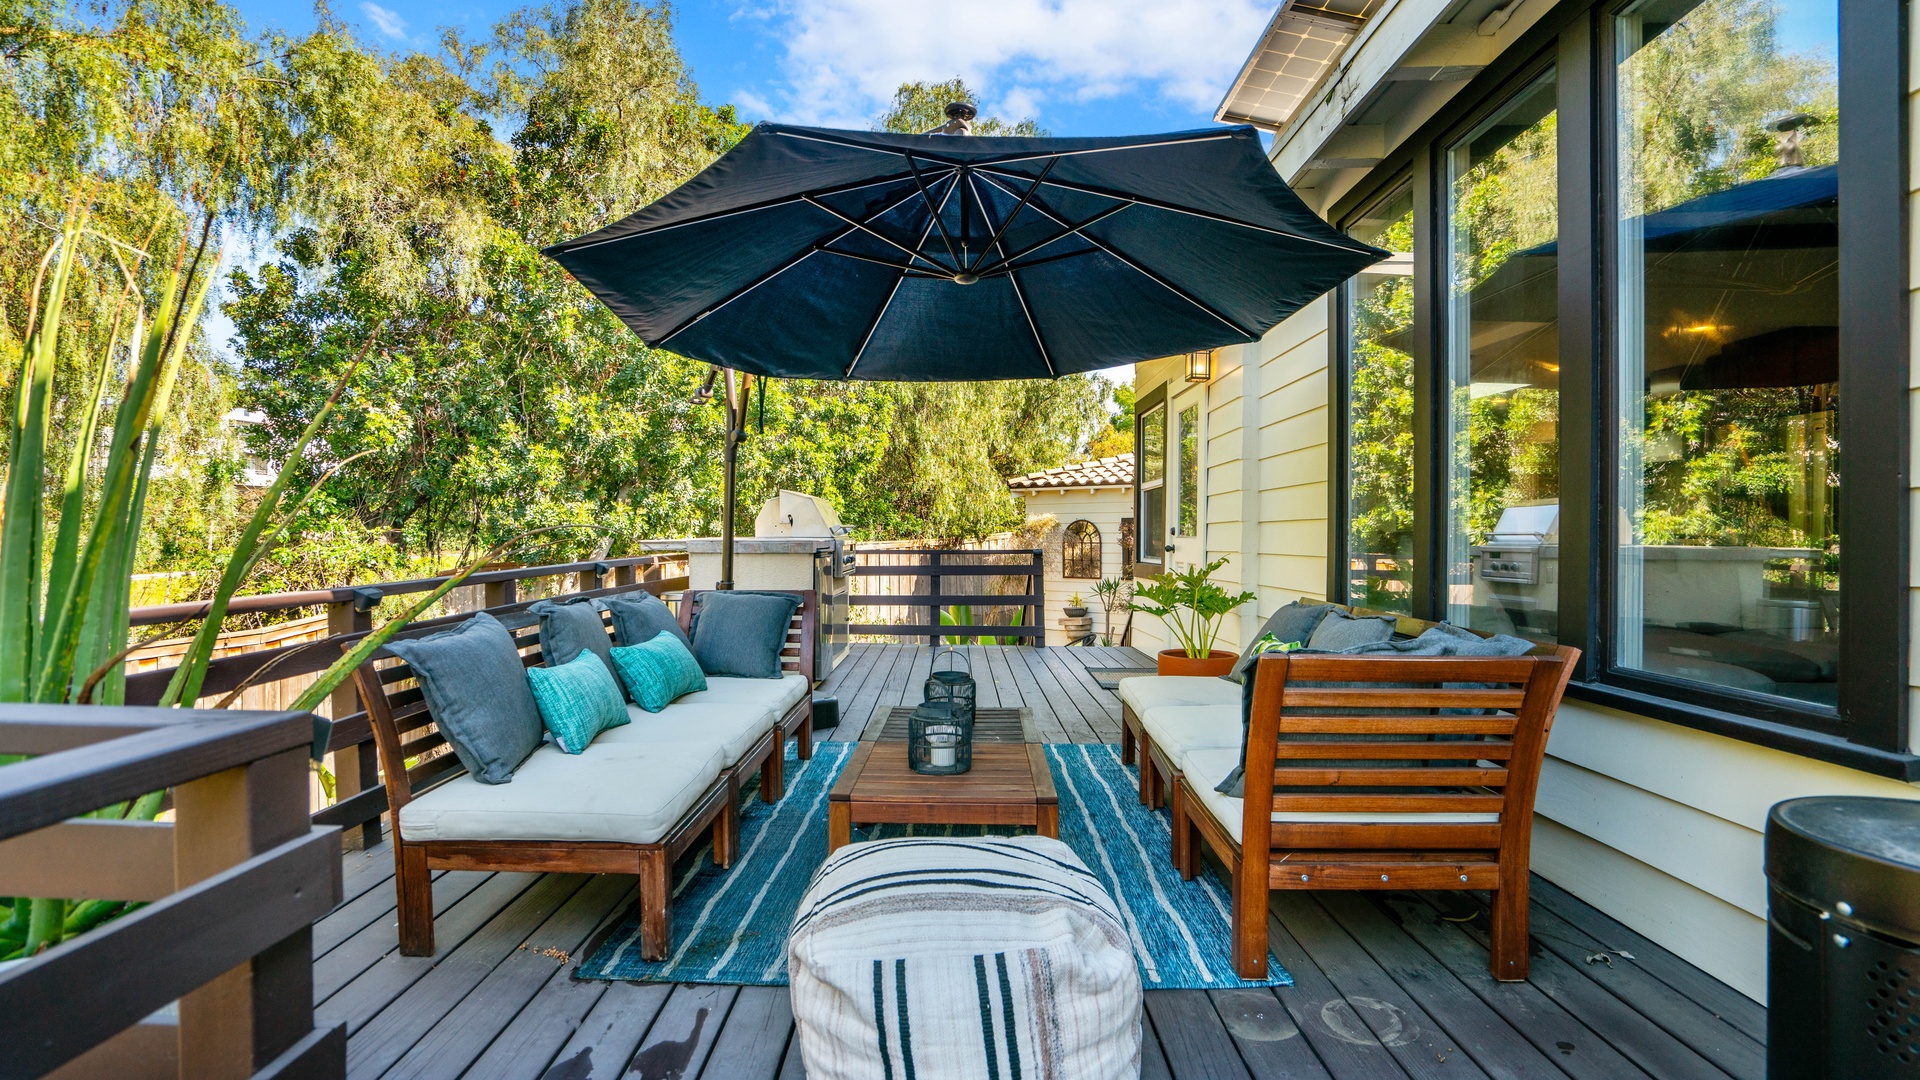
{"type": "Point", "coordinates": [1192, 606]}
{"type": "Point", "coordinates": [1075, 608]}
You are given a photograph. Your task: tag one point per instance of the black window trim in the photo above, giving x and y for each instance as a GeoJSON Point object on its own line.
{"type": "Point", "coordinates": [1144, 405]}
{"type": "Point", "coordinates": [1869, 731]}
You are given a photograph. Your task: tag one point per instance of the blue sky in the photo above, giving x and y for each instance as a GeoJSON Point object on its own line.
{"type": "Point", "coordinates": [1079, 67]}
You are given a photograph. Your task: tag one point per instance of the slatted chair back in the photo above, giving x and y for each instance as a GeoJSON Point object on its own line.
{"type": "Point", "coordinates": [1371, 735]}
{"type": "Point", "coordinates": [408, 741]}
{"type": "Point", "coordinates": [797, 654]}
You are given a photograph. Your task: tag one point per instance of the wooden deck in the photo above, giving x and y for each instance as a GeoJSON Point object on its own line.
{"type": "Point", "coordinates": [1387, 985]}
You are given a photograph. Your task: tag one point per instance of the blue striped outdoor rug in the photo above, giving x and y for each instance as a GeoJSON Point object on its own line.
{"type": "Point", "coordinates": [731, 926]}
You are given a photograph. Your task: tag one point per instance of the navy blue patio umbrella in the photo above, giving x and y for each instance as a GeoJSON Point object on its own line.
{"type": "Point", "coordinates": [816, 253]}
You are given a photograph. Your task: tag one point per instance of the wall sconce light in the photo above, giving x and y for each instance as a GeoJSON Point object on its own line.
{"type": "Point", "coordinates": [1200, 365]}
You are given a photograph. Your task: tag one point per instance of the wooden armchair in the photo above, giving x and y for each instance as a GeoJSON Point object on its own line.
{"type": "Point", "coordinates": [1437, 794]}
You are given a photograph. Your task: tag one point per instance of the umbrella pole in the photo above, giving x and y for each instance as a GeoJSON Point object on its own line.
{"type": "Point", "coordinates": [730, 455]}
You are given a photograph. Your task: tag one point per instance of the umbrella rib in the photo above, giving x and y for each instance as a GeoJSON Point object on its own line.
{"type": "Point", "coordinates": [845, 142]}
{"type": "Point", "coordinates": [786, 200]}
{"type": "Point", "coordinates": [902, 267]}
{"type": "Point", "coordinates": [1021, 295]}
{"type": "Point", "coordinates": [1148, 274]}
{"type": "Point", "coordinates": [1073, 231]}
{"type": "Point", "coordinates": [927, 197]}
{"type": "Point", "coordinates": [871, 330]}
{"type": "Point", "coordinates": [1067, 185]}
{"type": "Point", "coordinates": [821, 246]}
{"type": "Point", "coordinates": [876, 234]}
{"type": "Point", "coordinates": [1017, 207]}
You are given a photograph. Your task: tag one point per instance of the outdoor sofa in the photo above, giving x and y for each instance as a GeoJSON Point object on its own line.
{"type": "Point", "coordinates": [1387, 772]}
{"type": "Point", "coordinates": [632, 801]}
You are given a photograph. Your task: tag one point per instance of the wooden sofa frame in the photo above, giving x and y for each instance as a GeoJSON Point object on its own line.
{"type": "Point", "coordinates": [402, 729]}
{"type": "Point", "coordinates": [1468, 750]}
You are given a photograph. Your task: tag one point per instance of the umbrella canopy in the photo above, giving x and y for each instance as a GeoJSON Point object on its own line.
{"type": "Point", "coordinates": [823, 254]}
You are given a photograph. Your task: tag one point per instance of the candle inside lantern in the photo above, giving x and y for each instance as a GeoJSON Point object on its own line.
{"type": "Point", "coordinates": [942, 749]}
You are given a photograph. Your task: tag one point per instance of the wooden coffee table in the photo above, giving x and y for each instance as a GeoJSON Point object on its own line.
{"type": "Point", "coordinates": [1009, 784]}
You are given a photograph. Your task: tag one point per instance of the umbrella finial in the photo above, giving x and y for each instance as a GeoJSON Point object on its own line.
{"type": "Point", "coordinates": [960, 116]}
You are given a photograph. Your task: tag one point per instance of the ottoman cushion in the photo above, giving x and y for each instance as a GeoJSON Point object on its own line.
{"type": "Point", "coordinates": [962, 958]}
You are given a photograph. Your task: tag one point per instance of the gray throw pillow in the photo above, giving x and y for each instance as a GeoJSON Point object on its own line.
{"type": "Point", "coordinates": [1293, 623]}
{"type": "Point", "coordinates": [741, 633]}
{"type": "Point", "coordinates": [1340, 631]}
{"type": "Point", "coordinates": [569, 628]}
{"type": "Point", "coordinates": [637, 617]}
{"type": "Point", "coordinates": [476, 691]}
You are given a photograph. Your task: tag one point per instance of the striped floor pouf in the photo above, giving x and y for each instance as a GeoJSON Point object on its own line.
{"type": "Point", "coordinates": [989, 958]}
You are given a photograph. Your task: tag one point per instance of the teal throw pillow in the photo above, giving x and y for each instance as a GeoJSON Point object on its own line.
{"type": "Point", "coordinates": [577, 700]}
{"type": "Point", "coordinates": [658, 670]}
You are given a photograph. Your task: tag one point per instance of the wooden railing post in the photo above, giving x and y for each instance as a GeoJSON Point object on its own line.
{"type": "Point", "coordinates": [500, 593]}
{"type": "Point", "coordinates": [355, 768]}
{"type": "Point", "coordinates": [245, 1018]}
{"type": "Point", "coordinates": [1037, 582]}
{"type": "Point", "coordinates": [933, 597]}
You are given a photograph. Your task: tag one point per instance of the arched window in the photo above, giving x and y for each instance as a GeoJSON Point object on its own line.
{"type": "Point", "coordinates": [1080, 550]}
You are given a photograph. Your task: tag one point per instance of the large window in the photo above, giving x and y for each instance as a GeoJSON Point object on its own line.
{"type": "Point", "coordinates": [1592, 396]}
{"type": "Point", "coordinates": [1152, 439]}
{"type": "Point", "coordinates": [1728, 343]}
{"type": "Point", "coordinates": [1503, 369]}
{"type": "Point", "coordinates": [1080, 550]}
{"type": "Point", "coordinates": [1379, 412]}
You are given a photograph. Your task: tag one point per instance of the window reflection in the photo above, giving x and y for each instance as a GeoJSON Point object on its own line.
{"type": "Point", "coordinates": [1728, 134]}
{"type": "Point", "coordinates": [1153, 480]}
{"type": "Point", "coordinates": [1380, 412]}
{"type": "Point", "coordinates": [1189, 478]}
{"type": "Point", "coordinates": [1503, 364]}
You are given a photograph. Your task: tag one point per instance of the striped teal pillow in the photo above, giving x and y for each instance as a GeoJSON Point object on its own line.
{"type": "Point", "coordinates": [658, 670]}
{"type": "Point", "coordinates": [577, 700]}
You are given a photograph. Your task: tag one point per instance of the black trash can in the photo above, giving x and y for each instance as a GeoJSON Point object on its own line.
{"type": "Point", "coordinates": [1843, 947]}
{"type": "Point", "coordinates": [826, 711]}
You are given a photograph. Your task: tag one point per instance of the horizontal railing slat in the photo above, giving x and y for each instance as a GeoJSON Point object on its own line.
{"type": "Point", "coordinates": [947, 631]}
{"type": "Point", "coordinates": [945, 599]}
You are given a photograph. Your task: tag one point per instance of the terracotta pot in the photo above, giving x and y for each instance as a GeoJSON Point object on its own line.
{"type": "Point", "coordinates": [1177, 662]}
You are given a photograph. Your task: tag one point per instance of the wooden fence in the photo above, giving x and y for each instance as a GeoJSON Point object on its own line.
{"type": "Point", "coordinates": [1003, 588]}
{"type": "Point", "coordinates": [349, 612]}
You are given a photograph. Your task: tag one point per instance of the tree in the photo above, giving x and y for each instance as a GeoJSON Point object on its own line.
{"type": "Point", "coordinates": [922, 106]}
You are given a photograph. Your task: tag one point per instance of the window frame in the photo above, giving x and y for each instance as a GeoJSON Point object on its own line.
{"type": "Point", "coordinates": [1143, 409]}
{"type": "Point", "coordinates": [1079, 543]}
{"type": "Point", "coordinates": [1871, 729]}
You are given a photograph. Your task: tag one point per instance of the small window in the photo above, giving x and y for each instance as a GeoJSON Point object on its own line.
{"type": "Point", "coordinates": [1080, 550]}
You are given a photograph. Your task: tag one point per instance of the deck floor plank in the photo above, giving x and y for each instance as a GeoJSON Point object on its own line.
{"type": "Point", "coordinates": [1073, 717]}
{"type": "Point", "coordinates": [1003, 684]}
{"type": "Point", "coordinates": [1266, 1036]}
{"type": "Point", "coordinates": [601, 1046]}
{"type": "Point", "coordinates": [1196, 1043]}
{"type": "Point", "coordinates": [677, 1045]}
{"type": "Point", "coordinates": [1045, 711]}
{"type": "Point", "coordinates": [1422, 1045]}
{"type": "Point", "coordinates": [1344, 1046]}
{"type": "Point", "coordinates": [458, 1039]}
{"type": "Point", "coordinates": [386, 1038]}
{"type": "Point", "coordinates": [1102, 716]}
{"type": "Point", "coordinates": [1500, 1051]}
{"type": "Point", "coordinates": [1573, 1046]}
{"type": "Point", "coordinates": [360, 977]}
{"type": "Point", "coordinates": [353, 916]}
{"type": "Point", "coordinates": [754, 1040]}
{"type": "Point", "coordinates": [1690, 1022]}
{"type": "Point", "coordinates": [1726, 1003]}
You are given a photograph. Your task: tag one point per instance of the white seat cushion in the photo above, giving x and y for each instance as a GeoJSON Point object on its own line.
{"type": "Point", "coordinates": [626, 794]}
{"type": "Point", "coordinates": [1204, 769]}
{"type": "Point", "coordinates": [779, 694]}
{"type": "Point", "coordinates": [732, 726]}
{"type": "Point", "coordinates": [1143, 692]}
{"type": "Point", "coordinates": [1180, 729]}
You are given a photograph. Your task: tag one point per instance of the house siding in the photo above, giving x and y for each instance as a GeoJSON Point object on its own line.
{"type": "Point", "coordinates": [1102, 506]}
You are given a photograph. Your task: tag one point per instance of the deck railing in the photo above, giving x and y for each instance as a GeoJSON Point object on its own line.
{"type": "Point", "coordinates": [231, 888]}
{"type": "Point", "coordinates": [358, 799]}
{"type": "Point", "coordinates": [924, 579]}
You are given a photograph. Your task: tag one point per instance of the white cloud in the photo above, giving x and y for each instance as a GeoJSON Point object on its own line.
{"type": "Point", "coordinates": [386, 20]}
{"type": "Point", "coordinates": [844, 58]}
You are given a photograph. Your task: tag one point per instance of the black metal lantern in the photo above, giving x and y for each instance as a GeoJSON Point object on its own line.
{"type": "Point", "coordinates": [940, 739]}
{"type": "Point", "coordinates": [951, 687]}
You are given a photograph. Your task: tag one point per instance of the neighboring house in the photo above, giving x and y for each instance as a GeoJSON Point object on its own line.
{"type": "Point", "coordinates": [258, 471]}
{"type": "Point", "coordinates": [1591, 398]}
{"type": "Point", "coordinates": [1091, 504]}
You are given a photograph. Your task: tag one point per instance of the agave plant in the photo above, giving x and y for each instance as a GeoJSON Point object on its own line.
{"type": "Point", "coordinates": [64, 602]}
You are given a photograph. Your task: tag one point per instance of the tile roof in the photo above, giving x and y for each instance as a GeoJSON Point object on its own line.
{"type": "Point", "coordinates": [1116, 471]}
